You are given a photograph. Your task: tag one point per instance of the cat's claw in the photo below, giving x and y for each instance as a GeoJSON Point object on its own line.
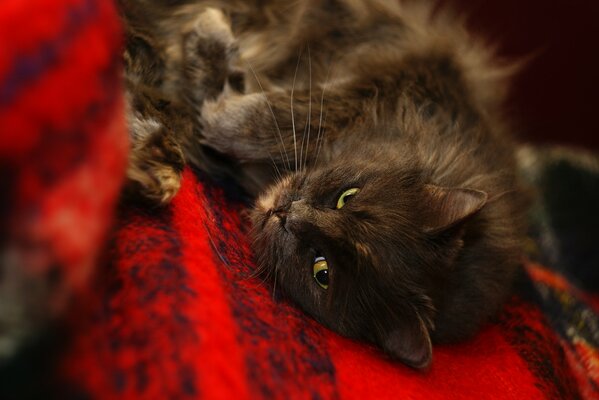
{"type": "Point", "coordinates": [159, 184]}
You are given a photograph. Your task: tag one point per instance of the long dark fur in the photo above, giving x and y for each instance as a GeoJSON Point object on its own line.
{"type": "Point", "coordinates": [309, 98]}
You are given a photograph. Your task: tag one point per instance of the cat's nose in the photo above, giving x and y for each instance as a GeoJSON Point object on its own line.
{"type": "Point", "coordinates": [297, 220]}
{"type": "Point", "coordinates": [281, 213]}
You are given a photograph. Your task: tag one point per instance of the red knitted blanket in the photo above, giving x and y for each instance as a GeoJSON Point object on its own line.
{"type": "Point", "coordinates": [164, 305]}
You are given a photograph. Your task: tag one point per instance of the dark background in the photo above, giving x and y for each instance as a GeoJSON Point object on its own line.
{"type": "Point", "coordinates": [555, 98]}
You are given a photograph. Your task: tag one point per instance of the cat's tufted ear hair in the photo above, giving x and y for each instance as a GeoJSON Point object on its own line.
{"type": "Point", "coordinates": [447, 207]}
{"type": "Point", "coordinates": [410, 343]}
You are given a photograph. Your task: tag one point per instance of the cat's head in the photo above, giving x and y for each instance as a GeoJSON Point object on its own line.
{"type": "Point", "coordinates": [361, 245]}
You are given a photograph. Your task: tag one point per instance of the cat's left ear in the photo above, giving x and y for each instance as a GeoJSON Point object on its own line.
{"type": "Point", "coordinates": [410, 343]}
{"type": "Point", "coordinates": [447, 207]}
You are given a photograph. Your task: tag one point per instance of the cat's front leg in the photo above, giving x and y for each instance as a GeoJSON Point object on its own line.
{"type": "Point", "coordinates": [162, 113]}
{"type": "Point", "coordinates": [271, 127]}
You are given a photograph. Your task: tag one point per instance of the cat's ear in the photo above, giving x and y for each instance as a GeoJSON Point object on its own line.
{"type": "Point", "coordinates": [447, 207]}
{"type": "Point", "coordinates": [410, 343]}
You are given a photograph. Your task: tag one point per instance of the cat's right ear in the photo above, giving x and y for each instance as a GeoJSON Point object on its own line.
{"type": "Point", "coordinates": [445, 208]}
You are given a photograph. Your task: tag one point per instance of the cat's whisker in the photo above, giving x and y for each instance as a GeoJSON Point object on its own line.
{"type": "Point", "coordinates": [276, 168]}
{"type": "Point", "coordinates": [292, 116]}
{"type": "Point", "coordinates": [500, 195]}
{"type": "Point", "coordinates": [259, 272]}
{"type": "Point", "coordinates": [309, 119]}
{"type": "Point", "coordinates": [215, 249]}
{"type": "Point", "coordinates": [274, 164]}
{"type": "Point", "coordinates": [273, 116]}
{"type": "Point", "coordinates": [301, 157]}
{"type": "Point", "coordinates": [320, 145]}
{"type": "Point", "coordinates": [320, 134]}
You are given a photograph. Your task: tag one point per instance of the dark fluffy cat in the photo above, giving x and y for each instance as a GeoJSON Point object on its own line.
{"type": "Point", "coordinates": [396, 216]}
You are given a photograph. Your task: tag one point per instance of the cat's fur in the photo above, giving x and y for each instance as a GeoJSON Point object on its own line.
{"type": "Point", "coordinates": [380, 95]}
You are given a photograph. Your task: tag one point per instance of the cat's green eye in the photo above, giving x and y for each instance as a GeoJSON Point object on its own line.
{"type": "Point", "coordinates": [345, 196]}
{"type": "Point", "coordinates": [320, 271]}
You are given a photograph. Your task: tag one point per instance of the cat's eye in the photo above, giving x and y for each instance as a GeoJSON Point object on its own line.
{"type": "Point", "coordinates": [345, 196]}
{"type": "Point", "coordinates": [320, 271]}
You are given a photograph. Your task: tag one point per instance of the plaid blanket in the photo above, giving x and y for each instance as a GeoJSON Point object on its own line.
{"type": "Point", "coordinates": [161, 304]}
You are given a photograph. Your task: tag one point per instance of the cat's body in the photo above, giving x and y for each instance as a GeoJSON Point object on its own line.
{"type": "Point", "coordinates": [370, 96]}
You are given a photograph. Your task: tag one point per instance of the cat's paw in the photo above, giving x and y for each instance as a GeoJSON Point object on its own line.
{"type": "Point", "coordinates": [156, 182]}
{"type": "Point", "coordinates": [233, 125]}
{"type": "Point", "coordinates": [211, 57]}
{"type": "Point", "coordinates": [156, 162]}
{"type": "Point", "coordinates": [212, 27]}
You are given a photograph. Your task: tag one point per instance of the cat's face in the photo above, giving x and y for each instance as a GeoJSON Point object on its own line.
{"type": "Point", "coordinates": [358, 245]}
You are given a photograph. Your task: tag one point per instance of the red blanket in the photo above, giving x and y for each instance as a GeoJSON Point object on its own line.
{"type": "Point", "coordinates": [170, 309]}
